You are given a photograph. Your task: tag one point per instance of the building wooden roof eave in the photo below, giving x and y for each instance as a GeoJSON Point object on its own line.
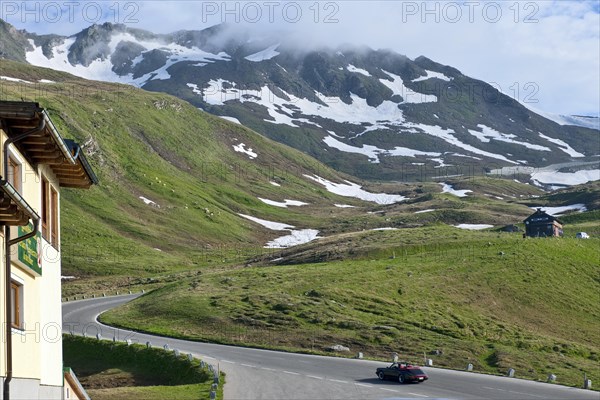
{"type": "Point", "coordinates": [64, 157]}
{"type": "Point", "coordinates": [14, 210]}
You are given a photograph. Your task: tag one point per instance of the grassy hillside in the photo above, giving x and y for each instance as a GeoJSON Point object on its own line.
{"type": "Point", "coordinates": [161, 148]}
{"type": "Point", "coordinates": [491, 299]}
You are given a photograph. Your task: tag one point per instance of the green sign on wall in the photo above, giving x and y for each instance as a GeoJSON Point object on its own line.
{"type": "Point", "coordinates": [28, 249]}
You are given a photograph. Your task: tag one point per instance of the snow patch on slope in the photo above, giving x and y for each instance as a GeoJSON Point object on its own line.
{"type": "Point", "coordinates": [410, 96]}
{"type": "Point", "coordinates": [266, 54]}
{"type": "Point", "coordinates": [274, 226]}
{"type": "Point", "coordinates": [446, 135]}
{"type": "Point", "coordinates": [374, 152]}
{"type": "Point", "coordinates": [148, 202]}
{"type": "Point", "coordinates": [281, 110]}
{"type": "Point", "coordinates": [283, 204]}
{"type": "Point", "coordinates": [102, 69]}
{"type": "Point", "coordinates": [433, 74]}
{"type": "Point", "coordinates": [241, 148]}
{"type": "Point", "coordinates": [352, 68]}
{"type": "Point", "coordinates": [217, 92]}
{"type": "Point", "coordinates": [488, 133]}
{"type": "Point", "coordinates": [350, 189]}
{"type": "Point", "coordinates": [294, 238]}
{"type": "Point", "coordinates": [564, 146]}
{"type": "Point", "coordinates": [473, 227]}
{"type": "Point", "coordinates": [446, 188]}
{"type": "Point", "coordinates": [17, 80]}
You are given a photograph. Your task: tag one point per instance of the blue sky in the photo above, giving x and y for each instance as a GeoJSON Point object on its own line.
{"type": "Point", "coordinates": [546, 53]}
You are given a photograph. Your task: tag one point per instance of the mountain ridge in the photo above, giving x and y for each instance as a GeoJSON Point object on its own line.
{"type": "Point", "coordinates": [375, 114]}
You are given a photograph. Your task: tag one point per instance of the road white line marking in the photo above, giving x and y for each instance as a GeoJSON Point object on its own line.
{"type": "Point", "coordinates": [418, 395]}
{"type": "Point", "coordinates": [491, 388]}
{"type": "Point", "coordinates": [267, 369]}
{"type": "Point", "coordinates": [314, 377]}
{"type": "Point", "coordinates": [336, 380]}
{"type": "Point", "coordinates": [526, 394]}
{"type": "Point", "coordinates": [227, 361]}
{"type": "Point", "coordinates": [248, 365]}
{"type": "Point", "coordinates": [389, 390]}
{"type": "Point", "coordinates": [291, 373]}
{"type": "Point", "coordinates": [364, 385]}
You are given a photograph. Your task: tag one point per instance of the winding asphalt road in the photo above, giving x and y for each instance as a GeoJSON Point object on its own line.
{"type": "Point", "coordinates": [263, 374]}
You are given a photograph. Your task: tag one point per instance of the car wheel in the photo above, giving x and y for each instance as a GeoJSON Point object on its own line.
{"type": "Point", "coordinates": [381, 375]}
{"type": "Point", "coordinates": [401, 378]}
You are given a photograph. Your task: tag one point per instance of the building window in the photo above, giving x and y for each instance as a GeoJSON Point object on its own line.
{"type": "Point", "coordinates": [16, 296]}
{"type": "Point", "coordinates": [13, 175]}
{"type": "Point", "coordinates": [45, 204]}
{"type": "Point", "coordinates": [49, 213]}
{"type": "Point", "coordinates": [54, 217]}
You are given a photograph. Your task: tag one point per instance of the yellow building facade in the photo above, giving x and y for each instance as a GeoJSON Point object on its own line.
{"type": "Point", "coordinates": [36, 164]}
